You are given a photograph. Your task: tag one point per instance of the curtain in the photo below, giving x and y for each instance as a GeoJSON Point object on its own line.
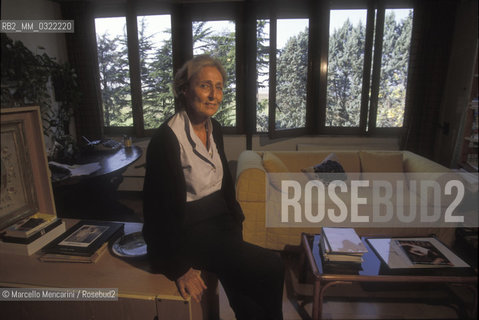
{"type": "Point", "coordinates": [429, 58]}
{"type": "Point", "coordinates": [82, 54]}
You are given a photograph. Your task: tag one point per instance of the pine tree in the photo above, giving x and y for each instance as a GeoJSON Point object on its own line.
{"type": "Point", "coordinates": [156, 78]}
{"type": "Point", "coordinates": [114, 80]}
{"type": "Point", "coordinates": [291, 91]}
{"type": "Point", "coordinates": [345, 68]}
{"type": "Point", "coordinates": [161, 105]}
{"type": "Point", "coordinates": [392, 92]}
{"type": "Point", "coordinates": [222, 46]}
{"type": "Point", "coordinates": [345, 63]}
{"type": "Point", "coordinates": [262, 69]}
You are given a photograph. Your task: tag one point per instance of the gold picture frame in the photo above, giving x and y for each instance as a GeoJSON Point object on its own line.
{"type": "Point", "coordinates": [25, 182]}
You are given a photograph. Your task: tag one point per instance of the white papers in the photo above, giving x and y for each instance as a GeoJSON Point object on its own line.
{"type": "Point", "coordinates": [344, 240]}
{"type": "Point", "coordinates": [79, 169]}
{"type": "Point", "coordinates": [395, 257]}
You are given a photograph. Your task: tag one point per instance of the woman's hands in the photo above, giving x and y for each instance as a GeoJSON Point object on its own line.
{"type": "Point", "coordinates": [191, 284]}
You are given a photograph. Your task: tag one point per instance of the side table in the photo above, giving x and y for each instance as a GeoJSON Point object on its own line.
{"type": "Point", "coordinates": [95, 196]}
{"type": "Point", "coordinates": [374, 272]}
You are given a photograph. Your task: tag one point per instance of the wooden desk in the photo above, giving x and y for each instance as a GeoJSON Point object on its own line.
{"type": "Point", "coordinates": [372, 273]}
{"type": "Point", "coordinates": [142, 295]}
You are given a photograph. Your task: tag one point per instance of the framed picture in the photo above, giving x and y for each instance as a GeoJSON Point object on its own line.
{"type": "Point", "coordinates": [85, 238]}
{"type": "Point", "coordinates": [25, 182]}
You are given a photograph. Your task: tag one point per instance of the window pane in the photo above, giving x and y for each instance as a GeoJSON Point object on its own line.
{"type": "Point", "coordinates": [218, 39]}
{"type": "Point", "coordinates": [394, 65]}
{"type": "Point", "coordinates": [347, 34]}
{"type": "Point", "coordinates": [114, 71]}
{"type": "Point", "coordinates": [291, 72]}
{"type": "Point", "coordinates": [156, 66]}
{"type": "Point", "coordinates": [262, 80]}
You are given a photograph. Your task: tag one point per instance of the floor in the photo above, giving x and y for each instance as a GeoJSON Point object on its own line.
{"type": "Point", "coordinates": [297, 297]}
{"type": "Point", "coordinates": [297, 302]}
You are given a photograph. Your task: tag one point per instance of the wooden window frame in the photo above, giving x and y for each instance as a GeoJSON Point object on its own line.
{"type": "Point", "coordinates": [245, 14]}
{"type": "Point", "coordinates": [182, 16]}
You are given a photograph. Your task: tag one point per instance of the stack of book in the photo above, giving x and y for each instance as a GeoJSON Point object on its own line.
{"type": "Point", "coordinates": [85, 242]}
{"type": "Point", "coordinates": [341, 248]}
{"type": "Point", "coordinates": [29, 235]}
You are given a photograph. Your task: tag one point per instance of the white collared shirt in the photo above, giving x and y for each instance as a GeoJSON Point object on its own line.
{"type": "Point", "coordinates": [202, 168]}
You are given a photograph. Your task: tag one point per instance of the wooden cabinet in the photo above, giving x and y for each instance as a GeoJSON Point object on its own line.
{"type": "Point", "coordinates": [142, 295]}
{"type": "Point", "coordinates": [469, 151]}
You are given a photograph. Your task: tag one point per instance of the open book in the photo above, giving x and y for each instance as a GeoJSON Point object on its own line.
{"type": "Point", "coordinates": [422, 252]}
{"type": "Point", "coordinates": [394, 255]}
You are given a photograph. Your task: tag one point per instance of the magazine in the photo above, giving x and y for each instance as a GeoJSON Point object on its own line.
{"type": "Point", "coordinates": [423, 252]}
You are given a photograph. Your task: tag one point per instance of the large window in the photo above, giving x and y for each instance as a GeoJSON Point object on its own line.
{"type": "Point", "coordinates": [347, 35]}
{"type": "Point", "coordinates": [394, 67]}
{"type": "Point", "coordinates": [348, 76]}
{"type": "Point", "coordinates": [156, 68]}
{"type": "Point", "coordinates": [385, 103]}
{"type": "Point", "coordinates": [290, 73]}
{"type": "Point", "coordinates": [218, 39]}
{"type": "Point", "coordinates": [114, 71]}
{"type": "Point", "coordinates": [366, 72]}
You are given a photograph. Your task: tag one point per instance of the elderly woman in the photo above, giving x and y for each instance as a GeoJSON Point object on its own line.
{"type": "Point", "coordinates": [192, 219]}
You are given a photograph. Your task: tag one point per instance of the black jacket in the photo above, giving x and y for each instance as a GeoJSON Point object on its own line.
{"type": "Point", "coordinates": [164, 199]}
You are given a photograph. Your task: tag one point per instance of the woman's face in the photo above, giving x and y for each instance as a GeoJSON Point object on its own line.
{"type": "Point", "coordinates": [205, 93]}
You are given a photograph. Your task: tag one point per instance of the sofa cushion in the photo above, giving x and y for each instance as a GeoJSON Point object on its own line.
{"type": "Point", "coordinates": [330, 164]}
{"type": "Point", "coordinates": [374, 162]}
{"type": "Point", "coordinates": [349, 160]}
{"type": "Point", "coordinates": [316, 167]}
{"type": "Point", "coordinates": [272, 163]}
{"type": "Point", "coordinates": [297, 160]}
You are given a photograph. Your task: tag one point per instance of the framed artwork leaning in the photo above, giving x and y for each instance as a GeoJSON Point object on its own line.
{"type": "Point", "coordinates": [25, 187]}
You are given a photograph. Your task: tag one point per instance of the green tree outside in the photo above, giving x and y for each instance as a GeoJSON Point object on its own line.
{"type": "Point", "coordinates": [345, 73]}
{"type": "Point", "coordinates": [114, 80]}
{"type": "Point", "coordinates": [345, 68]}
{"type": "Point", "coordinates": [156, 68]}
{"type": "Point", "coordinates": [222, 46]}
{"type": "Point", "coordinates": [393, 81]}
{"type": "Point", "coordinates": [291, 78]}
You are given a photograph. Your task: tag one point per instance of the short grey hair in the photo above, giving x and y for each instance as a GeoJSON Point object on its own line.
{"type": "Point", "coordinates": [190, 69]}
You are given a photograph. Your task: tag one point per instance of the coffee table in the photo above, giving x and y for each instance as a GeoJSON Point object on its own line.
{"type": "Point", "coordinates": [374, 270]}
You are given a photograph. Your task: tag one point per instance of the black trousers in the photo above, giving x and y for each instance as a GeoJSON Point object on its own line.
{"type": "Point", "coordinates": [252, 276]}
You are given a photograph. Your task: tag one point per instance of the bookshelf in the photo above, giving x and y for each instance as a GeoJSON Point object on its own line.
{"type": "Point", "coordinates": [470, 149]}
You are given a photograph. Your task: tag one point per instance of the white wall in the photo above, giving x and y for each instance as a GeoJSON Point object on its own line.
{"type": "Point", "coordinates": [54, 43]}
